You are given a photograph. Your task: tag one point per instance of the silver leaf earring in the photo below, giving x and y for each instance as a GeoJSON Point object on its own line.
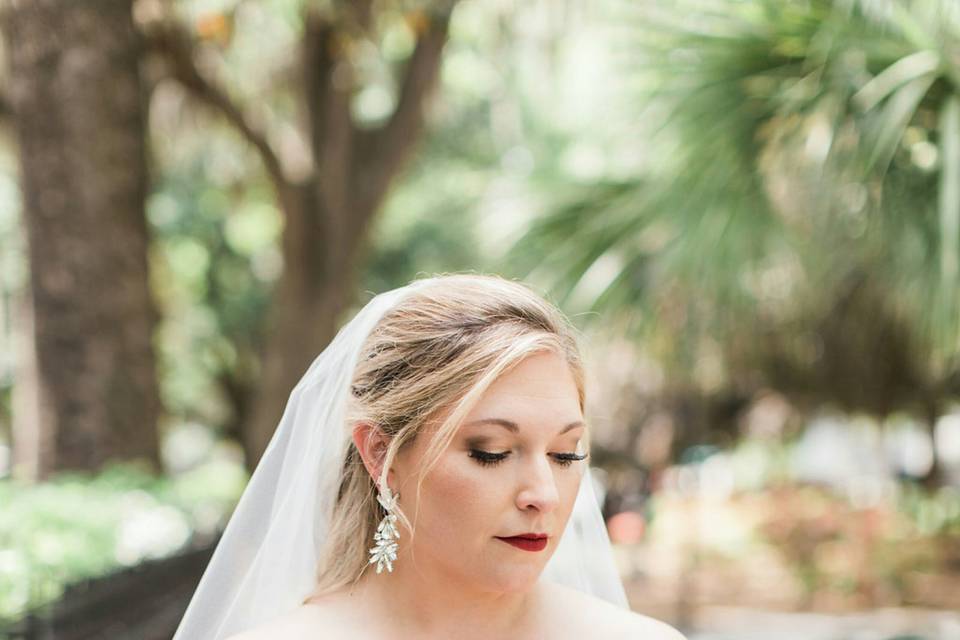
{"type": "Point", "coordinates": [385, 550]}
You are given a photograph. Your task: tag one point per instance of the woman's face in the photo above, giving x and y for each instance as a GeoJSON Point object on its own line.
{"type": "Point", "coordinates": [509, 470]}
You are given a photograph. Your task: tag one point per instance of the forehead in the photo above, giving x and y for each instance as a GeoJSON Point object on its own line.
{"type": "Point", "coordinates": [539, 389]}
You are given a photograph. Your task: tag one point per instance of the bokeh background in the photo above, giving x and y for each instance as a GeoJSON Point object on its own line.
{"type": "Point", "coordinates": [750, 208]}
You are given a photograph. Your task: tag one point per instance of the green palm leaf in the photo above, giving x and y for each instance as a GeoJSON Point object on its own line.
{"type": "Point", "coordinates": [785, 133]}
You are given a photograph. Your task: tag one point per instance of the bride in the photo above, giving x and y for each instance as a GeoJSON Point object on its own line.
{"type": "Point", "coordinates": [428, 479]}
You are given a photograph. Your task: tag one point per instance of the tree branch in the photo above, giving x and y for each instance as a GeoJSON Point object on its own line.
{"type": "Point", "coordinates": [328, 88]}
{"type": "Point", "coordinates": [6, 109]}
{"type": "Point", "coordinates": [382, 152]}
{"type": "Point", "coordinates": [174, 43]}
{"type": "Point", "coordinates": [358, 14]}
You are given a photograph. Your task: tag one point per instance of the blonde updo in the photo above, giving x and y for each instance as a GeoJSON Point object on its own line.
{"type": "Point", "coordinates": [432, 356]}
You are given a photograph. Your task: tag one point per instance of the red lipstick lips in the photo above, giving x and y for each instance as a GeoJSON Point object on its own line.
{"type": "Point", "coordinates": [528, 541]}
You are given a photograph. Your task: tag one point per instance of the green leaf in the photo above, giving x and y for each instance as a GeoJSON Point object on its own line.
{"type": "Point", "coordinates": [950, 189]}
{"type": "Point", "coordinates": [949, 204]}
{"type": "Point", "coordinates": [904, 70]}
{"type": "Point", "coordinates": [894, 118]}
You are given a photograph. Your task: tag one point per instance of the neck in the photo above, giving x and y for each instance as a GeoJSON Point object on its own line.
{"type": "Point", "coordinates": [428, 602]}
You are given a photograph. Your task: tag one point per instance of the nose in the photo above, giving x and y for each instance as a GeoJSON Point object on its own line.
{"type": "Point", "coordinates": [538, 488]}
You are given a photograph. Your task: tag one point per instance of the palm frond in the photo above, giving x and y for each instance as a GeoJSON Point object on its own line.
{"type": "Point", "coordinates": [787, 132]}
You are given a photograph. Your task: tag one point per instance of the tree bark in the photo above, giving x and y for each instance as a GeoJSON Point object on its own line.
{"type": "Point", "coordinates": [79, 117]}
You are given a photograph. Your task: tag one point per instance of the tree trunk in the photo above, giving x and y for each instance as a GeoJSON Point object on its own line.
{"type": "Point", "coordinates": [79, 117]}
{"type": "Point", "coordinates": [326, 213]}
{"type": "Point", "coordinates": [309, 298]}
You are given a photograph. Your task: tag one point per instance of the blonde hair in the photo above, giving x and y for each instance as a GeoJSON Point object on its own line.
{"type": "Point", "coordinates": [431, 355]}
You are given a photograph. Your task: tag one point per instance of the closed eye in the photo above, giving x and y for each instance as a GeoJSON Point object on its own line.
{"type": "Point", "coordinates": [566, 459]}
{"type": "Point", "coordinates": [487, 458]}
{"type": "Point", "coordinates": [490, 459]}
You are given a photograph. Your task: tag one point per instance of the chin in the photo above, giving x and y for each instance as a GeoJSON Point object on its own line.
{"type": "Point", "coordinates": [520, 580]}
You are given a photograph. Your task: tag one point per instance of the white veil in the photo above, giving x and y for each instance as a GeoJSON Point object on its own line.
{"type": "Point", "coordinates": [265, 562]}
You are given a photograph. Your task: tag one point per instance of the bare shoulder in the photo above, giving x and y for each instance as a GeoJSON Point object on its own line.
{"type": "Point", "coordinates": [302, 623]}
{"type": "Point", "coordinates": [606, 620]}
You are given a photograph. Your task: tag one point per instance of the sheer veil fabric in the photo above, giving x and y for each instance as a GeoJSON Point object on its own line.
{"type": "Point", "coordinates": [265, 562]}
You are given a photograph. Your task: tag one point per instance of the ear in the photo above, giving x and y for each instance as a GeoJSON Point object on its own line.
{"type": "Point", "coordinates": [372, 444]}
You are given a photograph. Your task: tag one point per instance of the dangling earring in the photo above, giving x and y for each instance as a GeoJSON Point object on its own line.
{"type": "Point", "coordinates": [385, 551]}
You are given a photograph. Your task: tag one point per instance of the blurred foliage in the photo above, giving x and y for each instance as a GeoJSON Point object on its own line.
{"type": "Point", "coordinates": [76, 526]}
{"type": "Point", "coordinates": [213, 257]}
{"type": "Point", "coordinates": [932, 513]}
{"type": "Point", "coordinates": [871, 553]}
{"type": "Point", "coordinates": [494, 145]}
{"type": "Point", "coordinates": [795, 152]}
{"type": "Point", "coordinates": [744, 516]}
{"type": "Point", "coordinates": [513, 122]}
{"type": "Point", "coordinates": [12, 277]}
{"type": "Point", "coordinates": [716, 191]}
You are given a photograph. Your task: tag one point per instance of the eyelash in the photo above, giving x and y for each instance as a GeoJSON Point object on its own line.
{"type": "Point", "coordinates": [487, 459]}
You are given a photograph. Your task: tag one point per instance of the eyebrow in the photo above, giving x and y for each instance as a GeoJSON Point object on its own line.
{"type": "Point", "coordinates": [514, 428]}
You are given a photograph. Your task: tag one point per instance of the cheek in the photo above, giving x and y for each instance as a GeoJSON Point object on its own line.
{"type": "Point", "coordinates": [568, 485]}
{"type": "Point", "coordinates": [461, 496]}
{"type": "Point", "coordinates": [459, 500]}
